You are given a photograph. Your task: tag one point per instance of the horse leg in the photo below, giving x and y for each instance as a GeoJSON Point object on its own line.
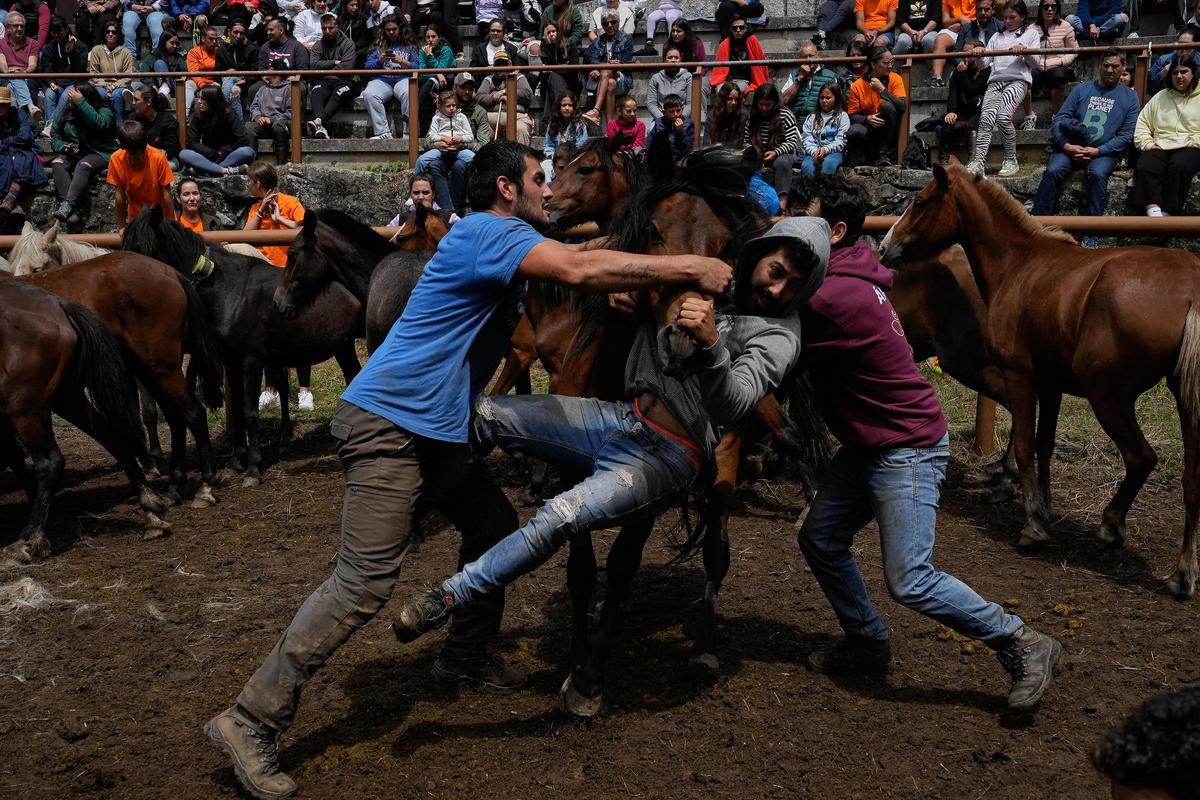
{"type": "Point", "coordinates": [37, 436]}
{"type": "Point", "coordinates": [14, 456]}
{"type": "Point", "coordinates": [1024, 412]}
{"type": "Point", "coordinates": [347, 358]}
{"type": "Point", "coordinates": [1003, 475]}
{"type": "Point", "coordinates": [1182, 583]}
{"type": "Point", "coordinates": [624, 559]}
{"type": "Point", "coordinates": [195, 418]}
{"type": "Point", "coordinates": [1119, 420]}
{"type": "Point", "coordinates": [1049, 403]}
{"type": "Point", "coordinates": [150, 423]}
{"type": "Point", "coordinates": [235, 411]}
{"type": "Point", "coordinates": [716, 550]}
{"type": "Point", "coordinates": [581, 582]}
{"type": "Point", "coordinates": [252, 376]}
{"type": "Point", "coordinates": [277, 378]}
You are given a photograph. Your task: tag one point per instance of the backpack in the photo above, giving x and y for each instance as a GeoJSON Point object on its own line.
{"type": "Point", "coordinates": [917, 155]}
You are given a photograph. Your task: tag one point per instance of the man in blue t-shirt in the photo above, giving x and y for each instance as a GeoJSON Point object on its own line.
{"type": "Point", "coordinates": [1091, 130]}
{"type": "Point", "coordinates": [402, 431]}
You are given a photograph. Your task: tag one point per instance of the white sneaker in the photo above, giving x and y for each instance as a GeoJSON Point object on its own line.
{"type": "Point", "coordinates": [1009, 168]}
{"type": "Point", "coordinates": [268, 399]}
{"type": "Point", "coordinates": [975, 168]}
{"type": "Point", "coordinates": [379, 136]}
{"type": "Point", "coordinates": [1029, 123]}
{"type": "Point", "coordinates": [1155, 211]}
{"type": "Point", "coordinates": [304, 400]}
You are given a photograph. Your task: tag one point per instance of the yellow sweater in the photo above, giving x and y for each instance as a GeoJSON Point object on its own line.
{"type": "Point", "coordinates": [1170, 120]}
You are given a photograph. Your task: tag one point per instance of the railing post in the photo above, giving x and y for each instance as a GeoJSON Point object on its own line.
{"type": "Point", "coordinates": [1141, 75]}
{"type": "Point", "coordinates": [697, 108]}
{"type": "Point", "coordinates": [985, 426]}
{"type": "Point", "coordinates": [510, 106]}
{"type": "Point", "coordinates": [902, 144]}
{"type": "Point", "coordinates": [414, 119]}
{"type": "Point", "coordinates": [181, 110]}
{"type": "Point", "coordinates": [297, 120]}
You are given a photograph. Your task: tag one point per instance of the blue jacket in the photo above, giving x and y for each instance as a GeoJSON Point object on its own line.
{"type": "Point", "coordinates": [1097, 12]}
{"type": "Point", "coordinates": [681, 138]}
{"type": "Point", "coordinates": [192, 9]}
{"type": "Point", "coordinates": [1106, 116]}
{"type": "Point", "coordinates": [622, 49]}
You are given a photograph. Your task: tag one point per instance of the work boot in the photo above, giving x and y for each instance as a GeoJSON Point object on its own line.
{"type": "Point", "coordinates": [484, 672]}
{"type": "Point", "coordinates": [251, 745]}
{"type": "Point", "coordinates": [1030, 658]}
{"type": "Point", "coordinates": [852, 653]}
{"type": "Point", "coordinates": [422, 613]}
{"type": "Point", "coordinates": [65, 210]}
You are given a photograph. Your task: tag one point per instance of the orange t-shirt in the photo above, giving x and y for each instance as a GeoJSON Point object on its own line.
{"type": "Point", "coordinates": [197, 226]}
{"type": "Point", "coordinates": [289, 208]}
{"type": "Point", "coordinates": [865, 100]}
{"type": "Point", "coordinates": [875, 13]}
{"type": "Point", "coordinates": [143, 185]}
{"type": "Point", "coordinates": [959, 8]}
{"type": "Point", "coordinates": [200, 61]}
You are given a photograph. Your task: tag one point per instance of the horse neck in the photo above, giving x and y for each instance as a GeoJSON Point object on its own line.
{"type": "Point", "coordinates": [989, 245]}
{"type": "Point", "coordinates": [356, 261]}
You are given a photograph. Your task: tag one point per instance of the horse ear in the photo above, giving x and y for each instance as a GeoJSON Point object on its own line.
{"type": "Point", "coordinates": [612, 145]}
{"type": "Point", "coordinates": [156, 216]}
{"type": "Point", "coordinates": [28, 228]}
{"type": "Point", "coordinates": [310, 223]}
{"type": "Point", "coordinates": [941, 176]}
{"type": "Point", "coordinates": [51, 235]}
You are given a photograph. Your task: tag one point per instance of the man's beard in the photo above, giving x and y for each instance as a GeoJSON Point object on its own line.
{"type": "Point", "coordinates": [530, 213]}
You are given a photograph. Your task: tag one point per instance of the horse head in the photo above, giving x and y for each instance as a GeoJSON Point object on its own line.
{"type": "Point", "coordinates": [593, 186]}
{"type": "Point", "coordinates": [307, 272]}
{"type": "Point", "coordinates": [422, 230]}
{"type": "Point", "coordinates": [933, 220]}
{"type": "Point", "coordinates": [29, 253]}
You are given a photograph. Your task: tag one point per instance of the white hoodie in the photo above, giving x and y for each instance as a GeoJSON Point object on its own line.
{"type": "Point", "coordinates": [1014, 68]}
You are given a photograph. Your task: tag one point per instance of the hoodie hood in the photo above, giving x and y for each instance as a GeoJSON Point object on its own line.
{"type": "Point", "coordinates": [859, 261]}
{"type": "Point", "coordinates": [811, 233]}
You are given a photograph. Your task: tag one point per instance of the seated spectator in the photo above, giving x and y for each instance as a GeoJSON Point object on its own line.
{"type": "Point", "coordinates": [876, 105]}
{"type": "Point", "coordinates": [202, 59]}
{"type": "Point", "coordinates": [1094, 19]}
{"type": "Point", "coordinates": [967, 88]}
{"type": "Point", "coordinates": [420, 193]}
{"type": "Point", "coordinates": [1008, 84]}
{"type": "Point", "coordinates": [435, 54]}
{"type": "Point", "coordinates": [161, 128]}
{"type": "Point", "coordinates": [191, 16]}
{"type": "Point", "coordinates": [805, 82]}
{"type": "Point", "coordinates": [831, 15]}
{"type": "Point", "coordinates": [741, 45]}
{"type": "Point", "coordinates": [449, 152]}
{"type": "Point", "coordinates": [553, 50]}
{"type": "Point", "coordinates": [667, 12]}
{"type": "Point", "coordinates": [1090, 132]}
{"type": "Point", "coordinates": [627, 126]}
{"type": "Point", "coordinates": [774, 134]}
{"type": "Point", "coordinates": [486, 51]}
{"type": "Point", "coordinates": [565, 127]}
{"type": "Point", "coordinates": [140, 175]}
{"type": "Point", "coordinates": [107, 59]}
{"type": "Point", "coordinates": [673, 124]}
{"type": "Point", "coordinates": [875, 21]}
{"type": "Point", "coordinates": [395, 49]}
{"type": "Point", "coordinates": [492, 95]}
{"type": "Point", "coordinates": [1168, 138]}
{"type": "Point", "coordinates": [306, 28]}
{"type": "Point", "coordinates": [1161, 69]}
{"type": "Point", "coordinates": [1154, 753]}
{"type": "Point", "coordinates": [379, 10]}
{"type": "Point", "coordinates": [256, 28]}
{"type": "Point", "coordinates": [441, 14]}
{"type": "Point", "coordinates": [82, 137]}
{"type": "Point", "coordinates": [727, 120]}
{"type": "Point", "coordinates": [217, 143]}
{"type": "Point", "coordinates": [353, 22]}
{"type": "Point", "coordinates": [93, 18]}
{"type": "Point", "coordinates": [271, 111]}
{"type": "Point", "coordinates": [1053, 72]}
{"type": "Point", "coordinates": [333, 50]}
{"type": "Point", "coordinates": [290, 9]}
{"type": "Point", "coordinates": [232, 11]}
{"type": "Point", "coordinates": [62, 53]}
{"type": "Point", "coordinates": [1127, 77]}
{"type": "Point", "coordinates": [569, 19]}
{"type": "Point", "coordinates": [236, 55]}
{"type": "Point", "coordinates": [823, 135]}
{"type": "Point", "coordinates": [37, 20]}
{"type": "Point", "coordinates": [611, 47]}
{"type": "Point", "coordinates": [19, 54]}
{"type": "Point", "coordinates": [688, 43]}
{"type": "Point", "coordinates": [957, 15]}
{"type": "Point", "coordinates": [985, 26]}
{"type": "Point", "coordinates": [164, 58]}
{"type": "Point", "coordinates": [671, 80]}
{"type": "Point", "coordinates": [626, 18]}
{"type": "Point", "coordinates": [20, 167]}
{"type": "Point", "coordinates": [272, 211]}
{"type": "Point", "coordinates": [847, 73]}
{"type": "Point", "coordinates": [137, 15]}
{"type": "Point", "coordinates": [916, 25]}
{"type": "Point", "coordinates": [281, 47]}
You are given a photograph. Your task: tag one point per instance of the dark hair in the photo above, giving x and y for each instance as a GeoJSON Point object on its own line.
{"type": "Point", "coordinates": [151, 96]}
{"type": "Point", "coordinates": [495, 160]}
{"type": "Point", "coordinates": [420, 176]}
{"type": "Point", "coordinates": [566, 150]}
{"type": "Point", "coordinates": [876, 55]}
{"type": "Point", "coordinates": [687, 48]}
{"type": "Point", "coordinates": [668, 47]}
{"type": "Point", "coordinates": [1113, 52]}
{"type": "Point", "coordinates": [1157, 746]}
{"type": "Point", "coordinates": [672, 101]}
{"type": "Point", "coordinates": [57, 24]}
{"type": "Point", "coordinates": [857, 47]}
{"type": "Point", "coordinates": [556, 126]}
{"type": "Point", "coordinates": [90, 93]}
{"type": "Point", "coordinates": [1022, 9]}
{"type": "Point", "coordinates": [1184, 60]}
{"type": "Point", "coordinates": [446, 94]}
{"type": "Point", "coordinates": [845, 201]}
{"type": "Point", "coordinates": [726, 126]}
{"type": "Point", "coordinates": [264, 173]}
{"type": "Point", "coordinates": [839, 102]}
{"type": "Point", "coordinates": [216, 114]}
{"type": "Point", "coordinates": [131, 135]}
{"type": "Point", "coordinates": [1194, 30]}
{"type": "Point", "coordinates": [182, 181]}
{"type": "Point", "coordinates": [161, 50]}
{"type": "Point", "coordinates": [765, 129]}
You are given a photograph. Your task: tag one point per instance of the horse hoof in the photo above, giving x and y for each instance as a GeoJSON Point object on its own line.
{"type": "Point", "coordinates": [173, 496]}
{"type": "Point", "coordinates": [250, 481]}
{"type": "Point", "coordinates": [1032, 537]}
{"type": "Point", "coordinates": [1181, 585]}
{"type": "Point", "coordinates": [229, 475]}
{"type": "Point", "coordinates": [1111, 534]}
{"type": "Point", "coordinates": [152, 473]}
{"type": "Point", "coordinates": [156, 527]}
{"type": "Point", "coordinates": [20, 552]}
{"type": "Point", "coordinates": [706, 665]}
{"type": "Point", "coordinates": [204, 498]}
{"type": "Point", "coordinates": [152, 501]}
{"type": "Point", "coordinates": [576, 704]}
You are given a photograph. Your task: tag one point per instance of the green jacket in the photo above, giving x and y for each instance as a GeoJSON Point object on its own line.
{"type": "Point", "coordinates": [808, 91]}
{"type": "Point", "coordinates": [85, 129]}
{"type": "Point", "coordinates": [577, 36]}
{"type": "Point", "coordinates": [479, 126]}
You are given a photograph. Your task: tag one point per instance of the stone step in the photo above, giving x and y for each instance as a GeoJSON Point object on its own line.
{"type": "Point", "coordinates": [1031, 149]}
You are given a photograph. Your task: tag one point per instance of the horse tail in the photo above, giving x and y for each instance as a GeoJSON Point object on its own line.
{"type": "Point", "coordinates": [812, 441]}
{"type": "Point", "coordinates": [199, 340]}
{"type": "Point", "coordinates": [102, 370]}
{"type": "Point", "coordinates": [1187, 368]}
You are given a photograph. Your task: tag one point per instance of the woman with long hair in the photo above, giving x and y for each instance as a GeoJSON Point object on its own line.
{"type": "Point", "coordinates": [1052, 72]}
{"type": "Point", "coordinates": [1008, 84]}
{"type": "Point", "coordinates": [1167, 137]}
{"type": "Point", "coordinates": [352, 21]}
{"type": "Point", "coordinates": [83, 137]}
{"type": "Point", "coordinates": [554, 50]}
{"type": "Point", "coordinates": [164, 58]}
{"type": "Point", "coordinates": [395, 48]}
{"type": "Point", "coordinates": [434, 54]}
{"type": "Point", "coordinates": [217, 140]}
{"type": "Point", "coordinates": [566, 125]}
{"type": "Point", "coordinates": [773, 133]}
{"type": "Point", "coordinates": [728, 119]}
{"type": "Point", "coordinates": [569, 19]}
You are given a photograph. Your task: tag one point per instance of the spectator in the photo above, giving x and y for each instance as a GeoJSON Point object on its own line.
{"type": "Point", "coordinates": [492, 96]}
{"type": "Point", "coordinates": [272, 211]}
{"type": "Point", "coordinates": [82, 138]}
{"type": "Point", "coordinates": [435, 54]}
{"type": "Point", "coordinates": [217, 143]}
{"type": "Point", "coordinates": [1127, 77]}
{"type": "Point", "coordinates": [236, 55]}
{"type": "Point", "coordinates": [20, 167]}
{"type": "Point", "coordinates": [271, 110]}
{"type": "Point", "coordinates": [554, 50]}
{"type": "Point", "coordinates": [353, 22]}
{"type": "Point", "coordinates": [671, 80]}
{"type": "Point", "coordinates": [614, 46]}
{"type": "Point", "coordinates": [805, 82]}
{"type": "Point", "coordinates": [202, 59]}
{"type": "Point", "coordinates": [985, 26]}
{"type": "Point", "coordinates": [379, 10]}
{"type": "Point", "coordinates": [19, 55]}
{"type": "Point", "coordinates": [486, 51]}
{"type": "Point", "coordinates": [281, 47]}
{"type": "Point", "coordinates": [107, 59]}
{"type": "Point", "coordinates": [1008, 83]}
{"type": "Point", "coordinates": [427, 13]}
{"type": "Point", "coordinates": [448, 153]}
{"type": "Point", "coordinates": [916, 25]}
{"type": "Point", "coordinates": [562, 128]}
{"type": "Point", "coordinates": [773, 133]}
{"type": "Point", "coordinates": [1168, 138]}
{"type": "Point", "coordinates": [333, 50]}
{"type": "Point", "coordinates": [93, 18]}
{"type": "Point", "coordinates": [625, 18]}
{"type": "Point", "coordinates": [688, 43]}
{"type": "Point", "coordinates": [140, 175]}
{"type": "Point", "coordinates": [1154, 753]}
{"type": "Point", "coordinates": [256, 28]}
{"type": "Point", "coordinates": [967, 88]}
{"type": "Point", "coordinates": [849, 72]}
{"type": "Point", "coordinates": [232, 11]}
{"type": "Point", "coordinates": [728, 118]}
{"type": "Point", "coordinates": [191, 214]}
{"type": "Point", "coordinates": [62, 53]}
{"type": "Point", "coordinates": [1052, 72]}
{"type": "Point", "coordinates": [957, 15]}
{"type": "Point", "coordinates": [728, 10]}
{"type": "Point", "coordinates": [420, 193]}
{"type": "Point", "coordinates": [824, 133]}
{"type": "Point", "coordinates": [191, 16]}
{"type": "Point", "coordinates": [135, 16]}
{"type": "Point", "coordinates": [37, 20]}
{"type": "Point", "coordinates": [162, 129]}
{"type": "Point", "coordinates": [306, 28]}
{"type": "Point", "coordinates": [675, 125]}
{"type": "Point", "coordinates": [569, 20]}
{"type": "Point", "coordinates": [1090, 132]}
{"type": "Point", "coordinates": [740, 46]}
{"type": "Point", "coordinates": [564, 154]}
{"type": "Point", "coordinates": [1099, 18]}
{"type": "Point", "coordinates": [667, 12]}
{"type": "Point", "coordinates": [877, 102]}
{"type": "Point", "coordinates": [1160, 71]}
{"type": "Point", "coordinates": [626, 124]}
{"type": "Point", "coordinates": [164, 58]}
{"type": "Point", "coordinates": [831, 15]}
{"type": "Point", "coordinates": [290, 9]}
{"type": "Point", "coordinates": [395, 49]}
{"type": "Point", "coordinates": [875, 21]}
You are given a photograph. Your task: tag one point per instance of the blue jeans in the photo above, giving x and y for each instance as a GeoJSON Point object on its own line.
{"type": "Point", "coordinates": [829, 164]}
{"type": "Point", "coordinates": [899, 489]}
{"type": "Point", "coordinates": [53, 101]}
{"type": "Point", "coordinates": [449, 171]}
{"type": "Point", "coordinates": [632, 471]}
{"type": "Point", "coordinates": [1113, 26]}
{"type": "Point", "coordinates": [20, 93]}
{"type": "Point", "coordinates": [131, 21]}
{"type": "Point", "coordinates": [1059, 167]}
{"type": "Point", "coordinates": [117, 99]}
{"type": "Point", "coordinates": [242, 155]}
{"type": "Point", "coordinates": [235, 101]}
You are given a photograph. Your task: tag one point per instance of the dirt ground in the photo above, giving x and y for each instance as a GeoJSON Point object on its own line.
{"type": "Point", "coordinates": [104, 689]}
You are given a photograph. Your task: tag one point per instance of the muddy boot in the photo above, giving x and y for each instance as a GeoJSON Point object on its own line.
{"type": "Point", "coordinates": [251, 745]}
{"type": "Point", "coordinates": [422, 613]}
{"type": "Point", "coordinates": [1030, 659]}
{"type": "Point", "coordinates": [484, 672]}
{"type": "Point", "coordinates": [852, 653]}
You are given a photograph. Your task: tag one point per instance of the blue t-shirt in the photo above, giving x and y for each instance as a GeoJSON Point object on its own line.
{"type": "Point", "coordinates": [445, 347]}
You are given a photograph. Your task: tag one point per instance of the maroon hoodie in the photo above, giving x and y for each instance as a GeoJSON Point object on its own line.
{"type": "Point", "coordinates": [861, 365]}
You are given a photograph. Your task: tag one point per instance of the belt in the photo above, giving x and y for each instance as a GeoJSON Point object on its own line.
{"type": "Point", "coordinates": [654, 412]}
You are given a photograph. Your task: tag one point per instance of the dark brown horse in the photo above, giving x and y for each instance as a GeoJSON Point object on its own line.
{"type": "Point", "coordinates": [52, 351]}
{"type": "Point", "coordinates": [1106, 325]}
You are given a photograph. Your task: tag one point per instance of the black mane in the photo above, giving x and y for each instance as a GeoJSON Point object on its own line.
{"type": "Point", "coordinates": [359, 234]}
{"type": "Point", "coordinates": [166, 240]}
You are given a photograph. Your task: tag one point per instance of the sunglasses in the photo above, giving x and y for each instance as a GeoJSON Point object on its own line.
{"type": "Point", "coordinates": [110, 32]}
{"type": "Point", "coordinates": [737, 28]}
{"type": "Point", "coordinates": [608, 22]}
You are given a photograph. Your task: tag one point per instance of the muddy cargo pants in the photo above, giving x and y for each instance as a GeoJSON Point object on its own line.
{"type": "Point", "coordinates": [388, 470]}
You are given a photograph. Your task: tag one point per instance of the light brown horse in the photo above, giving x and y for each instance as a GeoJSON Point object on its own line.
{"type": "Point", "coordinates": [1106, 325]}
{"type": "Point", "coordinates": [595, 185]}
{"type": "Point", "coordinates": [421, 229]}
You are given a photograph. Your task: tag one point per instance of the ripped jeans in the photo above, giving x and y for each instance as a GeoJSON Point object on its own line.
{"type": "Point", "coordinates": [633, 470]}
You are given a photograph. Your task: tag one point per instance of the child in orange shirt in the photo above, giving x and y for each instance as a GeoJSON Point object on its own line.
{"type": "Point", "coordinates": [140, 175]}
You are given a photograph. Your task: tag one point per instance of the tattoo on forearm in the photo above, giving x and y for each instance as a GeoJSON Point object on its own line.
{"type": "Point", "coordinates": [632, 270]}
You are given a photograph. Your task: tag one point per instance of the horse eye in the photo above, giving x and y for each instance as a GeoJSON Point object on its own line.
{"type": "Point", "coordinates": [586, 170]}
{"type": "Point", "coordinates": [919, 202]}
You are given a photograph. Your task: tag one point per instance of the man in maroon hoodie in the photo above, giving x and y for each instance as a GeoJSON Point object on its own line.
{"type": "Point", "coordinates": [891, 463]}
